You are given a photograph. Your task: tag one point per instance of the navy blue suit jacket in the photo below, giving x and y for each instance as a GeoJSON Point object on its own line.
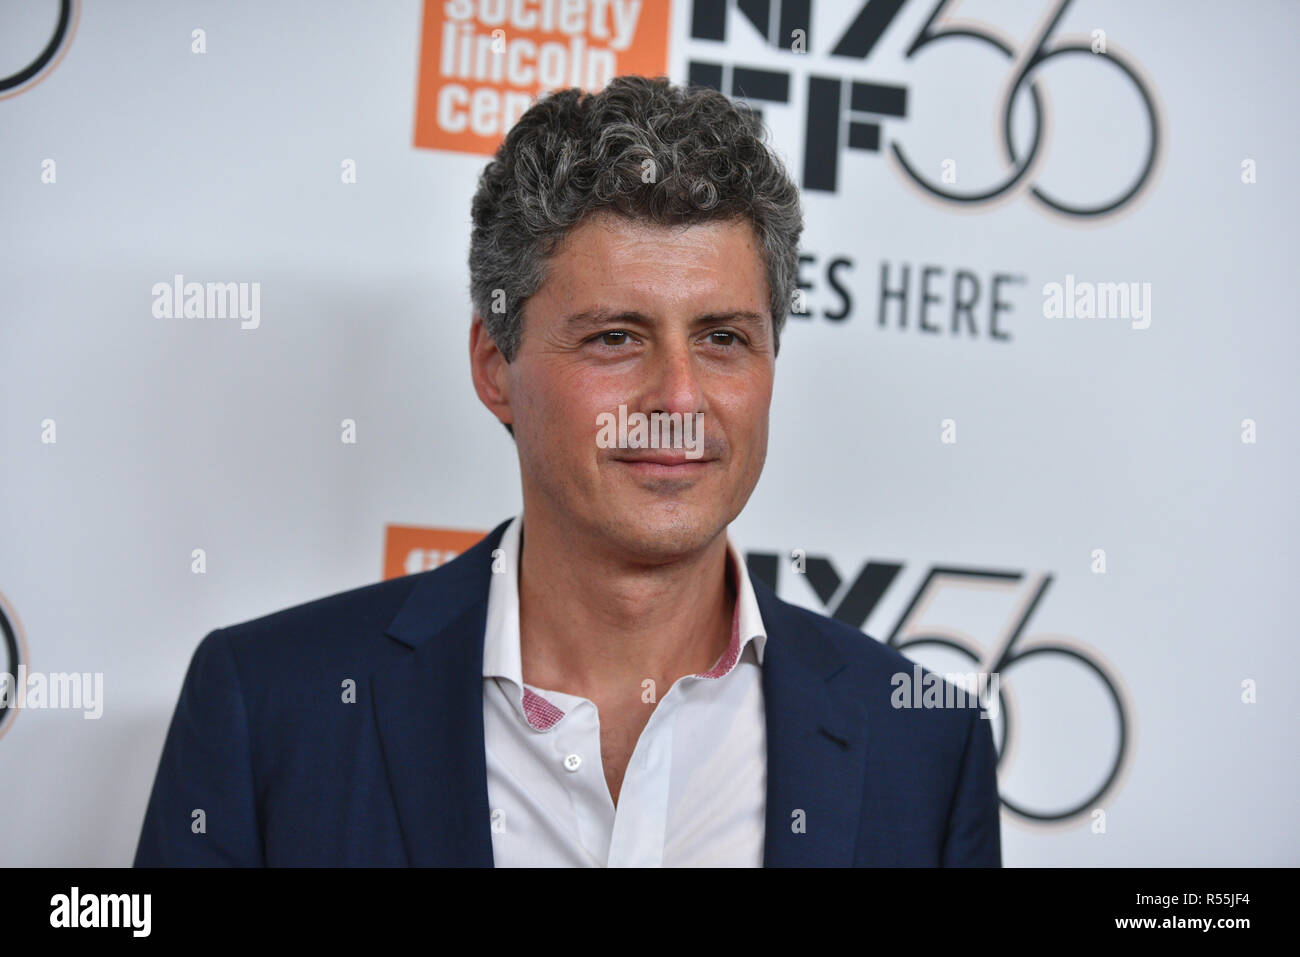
{"type": "Point", "coordinates": [286, 773]}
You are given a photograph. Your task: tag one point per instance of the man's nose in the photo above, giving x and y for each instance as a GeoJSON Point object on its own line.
{"type": "Point", "coordinates": [673, 383]}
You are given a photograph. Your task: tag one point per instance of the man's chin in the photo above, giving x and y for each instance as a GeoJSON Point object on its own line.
{"type": "Point", "coordinates": [660, 534]}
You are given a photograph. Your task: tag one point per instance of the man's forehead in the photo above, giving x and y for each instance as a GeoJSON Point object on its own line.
{"type": "Point", "coordinates": [590, 282]}
{"type": "Point", "coordinates": [618, 256]}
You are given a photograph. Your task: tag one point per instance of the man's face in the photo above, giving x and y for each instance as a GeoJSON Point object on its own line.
{"type": "Point", "coordinates": [658, 319]}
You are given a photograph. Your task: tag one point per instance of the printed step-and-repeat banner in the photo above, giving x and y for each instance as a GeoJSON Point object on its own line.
{"type": "Point", "coordinates": [234, 366]}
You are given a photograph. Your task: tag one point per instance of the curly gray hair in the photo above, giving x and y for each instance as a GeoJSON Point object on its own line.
{"type": "Point", "coordinates": [573, 153]}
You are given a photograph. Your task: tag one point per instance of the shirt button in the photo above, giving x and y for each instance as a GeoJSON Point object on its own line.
{"type": "Point", "coordinates": [573, 762]}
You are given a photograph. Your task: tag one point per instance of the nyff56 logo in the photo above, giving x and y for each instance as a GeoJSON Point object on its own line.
{"type": "Point", "coordinates": [844, 110]}
{"type": "Point", "coordinates": [1058, 694]}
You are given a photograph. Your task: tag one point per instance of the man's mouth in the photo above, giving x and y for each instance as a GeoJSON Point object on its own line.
{"type": "Point", "coordinates": [664, 463]}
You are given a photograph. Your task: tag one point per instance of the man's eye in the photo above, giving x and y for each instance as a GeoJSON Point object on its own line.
{"type": "Point", "coordinates": [728, 338]}
{"type": "Point", "coordinates": [614, 337]}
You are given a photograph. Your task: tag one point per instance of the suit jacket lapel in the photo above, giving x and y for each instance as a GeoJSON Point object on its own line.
{"type": "Point", "coordinates": [816, 744]}
{"type": "Point", "coordinates": [429, 713]}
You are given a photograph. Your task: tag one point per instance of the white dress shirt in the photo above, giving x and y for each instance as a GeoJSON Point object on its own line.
{"type": "Point", "coordinates": [694, 792]}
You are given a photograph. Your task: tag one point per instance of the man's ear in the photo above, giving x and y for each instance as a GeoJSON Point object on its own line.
{"type": "Point", "coordinates": [488, 368]}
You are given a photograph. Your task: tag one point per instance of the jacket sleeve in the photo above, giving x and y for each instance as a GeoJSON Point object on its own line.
{"type": "Point", "coordinates": [974, 836]}
{"type": "Point", "coordinates": [202, 811]}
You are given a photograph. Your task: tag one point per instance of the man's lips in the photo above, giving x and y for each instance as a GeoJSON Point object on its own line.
{"type": "Point", "coordinates": [663, 459]}
{"type": "Point", "coordinates": [665, 466]}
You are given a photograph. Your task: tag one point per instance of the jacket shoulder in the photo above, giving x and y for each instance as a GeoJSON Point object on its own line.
{"type": "Point", "coordinates": [882, 682]}
{"type": "Point", "coordinates": [838, 640]}
{"type": "Point", "coordinates": [344, 619]}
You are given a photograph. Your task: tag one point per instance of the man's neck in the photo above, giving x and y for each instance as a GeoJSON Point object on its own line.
{"type": "Point", "coordinates": [599, 628]}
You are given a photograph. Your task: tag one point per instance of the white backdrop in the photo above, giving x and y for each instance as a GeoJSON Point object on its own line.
{"type": "Point", "coordinates": [1072, 435]}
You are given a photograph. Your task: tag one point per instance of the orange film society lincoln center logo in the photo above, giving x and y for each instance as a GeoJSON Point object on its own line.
{"type": "Point", "coordinates": [484, 62]}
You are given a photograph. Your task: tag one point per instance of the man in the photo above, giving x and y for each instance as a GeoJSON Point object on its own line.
{"type": "Point", "coordinates": [598, 682]}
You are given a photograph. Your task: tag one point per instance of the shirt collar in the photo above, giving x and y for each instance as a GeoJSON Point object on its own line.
{"type": "Point", "coordinates": [501, 650]}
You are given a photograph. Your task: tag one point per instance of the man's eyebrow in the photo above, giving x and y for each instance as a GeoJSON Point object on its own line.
{"type": "Point", "coordinates": [590, 318]}
{"type": "Point", "coordinates": [593, 318]}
